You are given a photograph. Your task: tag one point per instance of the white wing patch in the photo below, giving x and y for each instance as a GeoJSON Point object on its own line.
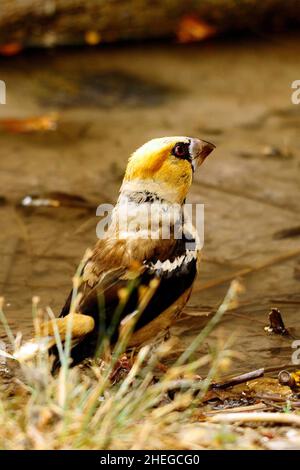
{"type": "Point", "coordinates": [169, 266]}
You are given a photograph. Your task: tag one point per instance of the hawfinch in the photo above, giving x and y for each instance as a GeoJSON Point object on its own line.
{"type": "Point", "coordinates": [139, 273]}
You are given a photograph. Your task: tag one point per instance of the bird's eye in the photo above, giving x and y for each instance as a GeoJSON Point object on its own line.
{"type": "Point", "coordinates": [181, 150]}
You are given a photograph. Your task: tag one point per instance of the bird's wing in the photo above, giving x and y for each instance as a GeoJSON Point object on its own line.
{"type": "Point", "coordinates": [120, 272]}
{"type": "Point", "coordinates": [110, 268]}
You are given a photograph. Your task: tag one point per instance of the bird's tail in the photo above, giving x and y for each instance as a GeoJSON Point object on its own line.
{"type": "Point", "coordinates": [53, 333]}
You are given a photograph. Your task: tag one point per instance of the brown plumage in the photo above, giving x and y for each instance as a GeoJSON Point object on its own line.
{"type": "Point", "coordinates": [137, 273]}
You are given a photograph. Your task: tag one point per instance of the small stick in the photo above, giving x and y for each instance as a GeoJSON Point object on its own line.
{"type": "Point", "coordinates": [238, 409]}
{"type": "Point", "coordinates": [257, 417]}
{"type": "Point", "coordinates": [239, 379]}
{"type": "Point", "coordinates": [255, 374]}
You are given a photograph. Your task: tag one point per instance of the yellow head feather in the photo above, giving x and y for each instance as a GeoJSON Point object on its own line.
{"type": "Point", "coordinates": [156, 165]}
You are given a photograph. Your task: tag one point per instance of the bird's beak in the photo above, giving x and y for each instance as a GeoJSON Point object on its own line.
{"type": "Point", "coordinates": [200, 149]}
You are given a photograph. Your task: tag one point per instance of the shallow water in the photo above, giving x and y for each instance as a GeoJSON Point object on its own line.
{"type": "Point", "coordinates": [111, 100]}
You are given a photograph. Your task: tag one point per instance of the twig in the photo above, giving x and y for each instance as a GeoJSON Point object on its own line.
{"type": "Point", "coordinates": [239, 409]}
{"type": "Point", "coordinates": [182, 384]}
{"type": "Point", "coordinates": [255, 374]}
{"type": "Point", "coordinates": [287, 233]}
{"type": "Point", "coordinates": [257, 417]}
{"type": "Point", "coordinates": [239, 379]}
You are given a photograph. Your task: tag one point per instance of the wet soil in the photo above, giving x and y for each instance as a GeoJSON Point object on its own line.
{"type": "Point", "coordinates": [111, 100]}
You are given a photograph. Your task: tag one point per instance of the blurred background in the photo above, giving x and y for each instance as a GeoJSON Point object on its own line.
{"type": "Point", "coordinates": [87, 82]}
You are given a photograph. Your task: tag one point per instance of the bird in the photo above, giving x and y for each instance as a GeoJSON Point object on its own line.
{"type": "Point", "coordinates": [137, 274]}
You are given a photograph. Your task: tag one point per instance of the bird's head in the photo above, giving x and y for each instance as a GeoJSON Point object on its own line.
{"type": "Point", "coordinates": [165, 166]}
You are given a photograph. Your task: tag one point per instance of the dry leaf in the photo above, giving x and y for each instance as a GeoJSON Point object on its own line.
{"type": "Point", "coordinates": [92, 38]}
{"type": "Point", "coordinates": [11, 48]}
{"type": "Point", "coordinates": [28, 125]}
{"type": "Point", "coordinates": [192, 29]}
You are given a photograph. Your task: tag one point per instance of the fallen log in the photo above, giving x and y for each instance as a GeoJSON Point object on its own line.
{"type": "Point", "coordinates": [72, 22]}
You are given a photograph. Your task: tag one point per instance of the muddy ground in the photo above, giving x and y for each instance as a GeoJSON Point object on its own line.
{"type": "Point", "coordinates": [109, 101]}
